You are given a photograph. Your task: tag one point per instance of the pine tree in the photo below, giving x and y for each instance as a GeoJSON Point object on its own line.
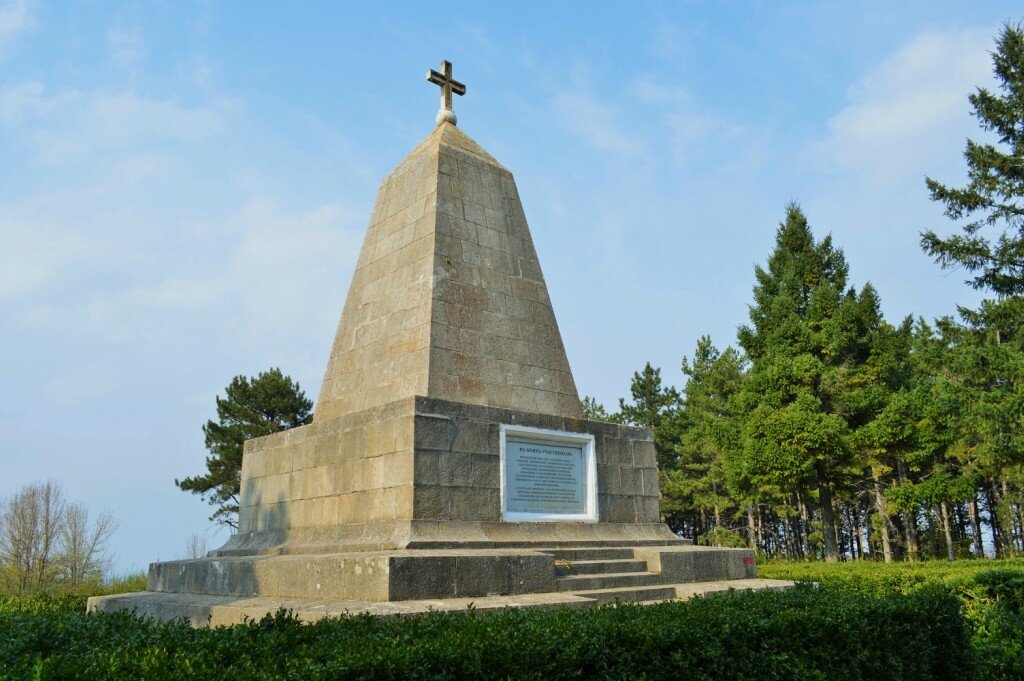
{"type": "Point", "coordinates": [994, 196]}
{"type": "Point", "coordinates": [656, 407]}
{"type": "Point", "coordinates": [269, 403]}
{"type": "Point", "coordinates": [594, 410]}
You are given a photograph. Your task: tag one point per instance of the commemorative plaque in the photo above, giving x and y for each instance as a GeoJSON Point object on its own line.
{"type": "Point", "coordinates": [547, 475]}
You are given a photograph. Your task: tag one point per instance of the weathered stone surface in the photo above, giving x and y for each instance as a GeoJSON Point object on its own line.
{"type": "Point", "coordinates": [448, 298]}
{"type": "Point", "coordinates": [393, 493]}
{"type": "Point", "coordinates": [206, 610]}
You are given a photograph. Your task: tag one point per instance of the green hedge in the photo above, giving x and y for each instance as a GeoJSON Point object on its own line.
{"type": "Point", "coordinates": [992, 592]}
{"type": "Point", "coordinates": [804, 633]}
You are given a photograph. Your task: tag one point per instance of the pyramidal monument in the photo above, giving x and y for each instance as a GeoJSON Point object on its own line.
{"type": "Point", "coordinates": [447, 462]}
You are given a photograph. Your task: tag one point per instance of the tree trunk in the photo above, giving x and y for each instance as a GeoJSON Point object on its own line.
{"type": "Point", "coordinates": [880, 506]}
{"type": "Point", "coordinates": [993, 520]}
{"type": "Point", "coordinates": [909, 520]}
{"type": "Point", "coordinates": [805, 525]}
{"type": "Point", "coordinates": [828, 520]}
{"type": "Point", "coordinates": [975, 513]}
{"type": "Point", "coordinates": [751, 528]}
{"type": "Point", "coordinates": [859, 530]}
{"type": "Point", "coordinates": [1011, 541]}
{"type": "Point", "coordinates": [944, 511]}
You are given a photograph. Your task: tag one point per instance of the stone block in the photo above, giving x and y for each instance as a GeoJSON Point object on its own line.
{"type": "Point", "coordinates": [622, 509]}
{"type": "Point", "coordinates": [472, 436]}
{"type": "Point", "coordinates": [432, 502]}
{"type": "Point", "coordinates": [455, 469]}
{"type": "Point", "coordinates": [469, 503]}
{"type": "Point", "coordinates": [432, 432]}
{"type": "Point", "coordinates": [651, 484]}
{"type": "Point", "coordinates": [632, 481]}
{"type": "Point", "coordinates": [648, 509]}
{"type": "Point", "coordinates": [422, 577]}
{"type": "Point", "coordinates": [426, 467]}
{"type": "Point", "coordinates": [481, 576]}
{"type": "Point", "coordinates": [486, 472]}
{"type": "Point", "coordinates": [644, 454]}
{"type": "Point", "coordinates": [532, 574]}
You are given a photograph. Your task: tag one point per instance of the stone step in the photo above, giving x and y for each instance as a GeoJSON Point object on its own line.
{"type": "Point", "coordinates": [595, 567]}
{"type": "Point", "coordinates": [202, 610]}
{"type": "Point", "coordinates": [629, 594]}
{"type": "Point", "coordinates": [575, 583]}
{"type": "Point", "coordinates": [575, 554]}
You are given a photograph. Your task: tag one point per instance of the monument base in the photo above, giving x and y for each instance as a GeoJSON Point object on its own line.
{"type": "Point", "coordinates": [226, 590]}
{"type": "Point", "coordinates": [406, 504]}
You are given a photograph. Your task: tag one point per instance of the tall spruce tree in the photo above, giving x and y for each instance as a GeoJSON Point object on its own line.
{"type": "Point", "coordinates": [269, 403]}
{"type": "Point", "coordinates": [808, 341]}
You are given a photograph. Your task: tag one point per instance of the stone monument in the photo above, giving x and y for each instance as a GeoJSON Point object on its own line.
{"type": "Point", "coordinates": [448, 462]}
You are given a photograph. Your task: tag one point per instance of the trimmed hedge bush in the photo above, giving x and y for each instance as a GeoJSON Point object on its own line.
{"type": "Point", "coordinates": [992, 592]}
{"type": "Point", "coordinates": [804, 633]}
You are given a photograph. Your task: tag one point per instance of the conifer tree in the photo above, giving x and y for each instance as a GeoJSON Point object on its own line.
{"type": "Point", "coordinates": [712, 432]}
{"type": "Point", "coordinates": [986, 354]}
{"type": "Point", "coordinates": [656, 407]}
{"type": "Point", "coordinates": [808, 338]}
{"type": "Point", "coordinates": [252, 407]}
{"type": "Point", "coordinates": [993, 199]}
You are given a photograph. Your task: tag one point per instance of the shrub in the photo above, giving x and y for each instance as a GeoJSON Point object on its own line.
{"type": "Point", "coordinates": [805, 633]}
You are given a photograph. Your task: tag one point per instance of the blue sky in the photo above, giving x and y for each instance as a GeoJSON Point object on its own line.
{"type": "Point", "coordinates": [184, 188]}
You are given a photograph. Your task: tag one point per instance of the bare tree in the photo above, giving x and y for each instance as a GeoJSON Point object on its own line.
{"type": "Point", "coordinates": [29, 536]}
{"type": "Point", "coordinates": [195, 547]}
{"type": "Point", "coordinates": [83, 555]}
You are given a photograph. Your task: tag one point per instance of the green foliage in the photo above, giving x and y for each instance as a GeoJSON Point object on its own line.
{"type": "Point", "coordinates": [711, 434]}
{"type": "Point", "coordinates": [594, 410]}
{"type": "Point", "coordinates": [993, 196]}
{"type": "Point", "coordinates": [657, 407]}
{"type": "Point", "coordinates": [810, 342]}
{"type": "Point", "coordinates": [804, 633]}
{"type": "Point", "coordinates": [992, 592]}
{"type": "Point", "coordinates": [721, 536]}
{"type": "Point", "coordinates": [269, 403]}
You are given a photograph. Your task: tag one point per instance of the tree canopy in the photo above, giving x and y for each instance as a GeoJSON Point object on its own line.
{"type": "Point", "coordinates": [252, 407]}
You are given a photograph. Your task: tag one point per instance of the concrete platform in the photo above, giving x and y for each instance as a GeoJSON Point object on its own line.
{"type": "Point", "coordinates": [229, 589]}
{"type": "Point", "coordinates": [204, 610]}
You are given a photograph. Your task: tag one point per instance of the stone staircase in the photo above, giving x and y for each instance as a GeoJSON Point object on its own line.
{"type": "Point", "coordinates": [608, 574]}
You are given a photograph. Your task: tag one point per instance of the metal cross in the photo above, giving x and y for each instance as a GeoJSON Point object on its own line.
{"type": "Point", "coordinates": [448, 86]}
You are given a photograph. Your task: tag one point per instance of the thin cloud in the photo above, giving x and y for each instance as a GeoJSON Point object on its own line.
{"type": "Point", "coordinates": [15, 17]}
{"type": "Point", "coordinates": [596, 123]}
{"type": "Point", "coordinates": [897, 111]}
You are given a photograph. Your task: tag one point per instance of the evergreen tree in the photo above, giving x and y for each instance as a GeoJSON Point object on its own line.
{"type": "Point", "coordinates": [699, 484]}
{"type": "Point", "coordinates": [994, 196]}
{"type": "Point", "coordinates": [808, 342]}
{"type": "Point", "coordinates": [986, 351]}
{"type": "Point", "coordinates": [656, 407]}
{"type": "Point", "coordinates": [594, 410]}
{"type": "Point", "coordinates": [269, 403]}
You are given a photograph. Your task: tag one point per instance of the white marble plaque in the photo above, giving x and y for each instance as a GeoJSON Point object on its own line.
{"type": "Point", "coordinates": [547, 475]}
{"type": "Point", "coordinates": [543, 477]}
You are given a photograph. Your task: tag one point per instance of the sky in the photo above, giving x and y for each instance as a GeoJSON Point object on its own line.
{"type": "Point", "coordinates": [184, 188]}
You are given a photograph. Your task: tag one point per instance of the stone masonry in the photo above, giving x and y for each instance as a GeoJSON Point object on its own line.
{"type": "Point", "coordinates": [390, 500]}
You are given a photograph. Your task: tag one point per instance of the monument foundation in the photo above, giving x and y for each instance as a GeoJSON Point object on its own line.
{"type": "Point", "coordinates": [448, 461]}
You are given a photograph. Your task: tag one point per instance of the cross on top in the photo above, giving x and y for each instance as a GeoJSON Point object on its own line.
{"type": "Point", "coordinates": [448, 86]}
